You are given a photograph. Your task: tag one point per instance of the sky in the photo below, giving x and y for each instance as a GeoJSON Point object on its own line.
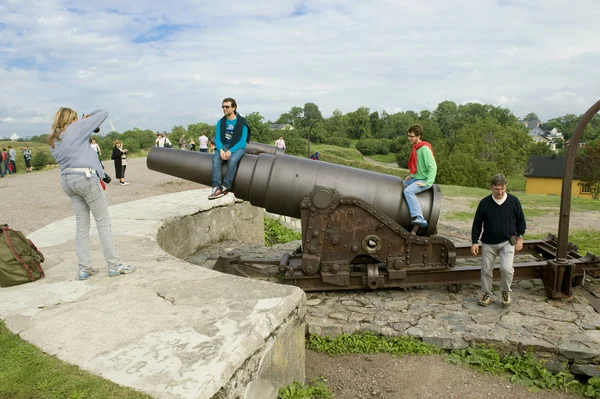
{"type": "Point", "coordinates": [155, 65]}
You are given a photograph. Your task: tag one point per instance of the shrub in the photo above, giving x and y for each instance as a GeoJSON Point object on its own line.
{"type": "Point", "coordinates": [373, 146]}
{"type": "Point", "coordinates": [40, 159]}
{"type": "Point", "coordinates": [338, 141]}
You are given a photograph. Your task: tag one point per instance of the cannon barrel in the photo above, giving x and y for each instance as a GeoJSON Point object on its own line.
{"type": "Point", "coordinates": [278, 183]}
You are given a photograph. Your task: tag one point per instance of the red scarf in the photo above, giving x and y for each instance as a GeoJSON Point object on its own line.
{"type": "Point", "coordinates": [412, 160]}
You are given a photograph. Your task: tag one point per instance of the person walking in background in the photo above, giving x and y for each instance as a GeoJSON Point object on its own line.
{"type": "Point", "coordinates": [182, 142]}
{"type": "Point", "coordinates": [12, 159]}
{"type": "Point", "coordinates": [96, 147]}
{"type": "Point", "coordinates": [231, 135]}
{"type": "Point", "coordinates": [501, 217]}
{"type": "Point", "coordinates": [119, 156]}
{"type": "Point", "coordinates": [280, 144]}
{"type": "Point", "coordinates": [192, 145]}
{"type": "Point", "coordinates": [423, 169]}
{"type": "Point", "coordinates": [203, 142]}
{"type": "Point", "coordinates": [163, 141]}
{"type": "Point", "coordinates": [27, 158]}
{"type": "Point", "coordinates": [80, 180]}
{"type": "Point", "coordinates": [4, 163]}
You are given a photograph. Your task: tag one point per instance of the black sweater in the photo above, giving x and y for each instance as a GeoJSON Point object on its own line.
{"type": "Point", "coordinates": [499, 222]}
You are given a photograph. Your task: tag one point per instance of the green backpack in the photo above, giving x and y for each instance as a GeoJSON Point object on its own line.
{"type": "Point", "coordinates": [20, 260]}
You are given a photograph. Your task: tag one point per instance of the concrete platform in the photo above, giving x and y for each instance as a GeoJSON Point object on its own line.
{"type": "Point", "coordinates": [171, 329]}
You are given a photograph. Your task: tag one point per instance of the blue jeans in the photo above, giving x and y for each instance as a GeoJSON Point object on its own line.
{"type": "Point", "coordinates": [232, 165]}
{"type": "Point", "coordinates": [6, 170]}
{"type": "Point", "coordinates": [87, 195]}
{"type": "Point", "coordinates": [411, 189]}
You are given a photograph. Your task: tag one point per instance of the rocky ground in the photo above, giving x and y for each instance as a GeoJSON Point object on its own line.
{"type": "Point", "coordinates": [37, 200]}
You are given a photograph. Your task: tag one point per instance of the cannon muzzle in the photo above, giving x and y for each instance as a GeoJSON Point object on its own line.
{"type": "Point", "coordinates": [279, 183]}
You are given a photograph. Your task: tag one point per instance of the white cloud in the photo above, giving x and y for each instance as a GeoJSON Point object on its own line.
{"type": "Point", "coordinates": [8, 119]}
{"type": "Point", "coordinates": [169, 63]}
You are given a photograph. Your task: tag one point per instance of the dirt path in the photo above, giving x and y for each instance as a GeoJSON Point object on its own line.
{"type": "Point", "coordinates": [415, 377]}
{"type": "Point", "coordinates": [38, 200]}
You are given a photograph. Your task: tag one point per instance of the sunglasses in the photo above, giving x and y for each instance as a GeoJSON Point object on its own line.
{"type": "Point", "coordinates": [225, 106]}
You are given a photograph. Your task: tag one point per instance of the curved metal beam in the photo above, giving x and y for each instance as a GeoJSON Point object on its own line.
{"type": "Point", "coordinates": [565, 201]}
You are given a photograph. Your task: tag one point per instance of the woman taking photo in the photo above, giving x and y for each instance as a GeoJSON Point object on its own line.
{"type": "Point", "coordinates": [80, 180]}
{"type": "Point", "coordinates": [119, 155]}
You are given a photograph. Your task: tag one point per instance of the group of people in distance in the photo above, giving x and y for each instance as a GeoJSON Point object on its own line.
{"type": "Point", "coordinates": [8, 160]}
{"type": "Point", "coordinates": [499, 222]}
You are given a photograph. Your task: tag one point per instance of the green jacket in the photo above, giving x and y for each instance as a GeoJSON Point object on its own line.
{"type": "Point", "coordinates": [426, 166]}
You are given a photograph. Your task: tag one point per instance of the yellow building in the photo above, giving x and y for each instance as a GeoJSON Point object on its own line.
{"type": "Point", "coordinates": [544, 176]}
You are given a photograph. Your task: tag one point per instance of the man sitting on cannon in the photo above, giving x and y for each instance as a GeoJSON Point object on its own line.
{"type": "Point", "coordinates": [231, 135]}
{"type": "Point", "coordinates": [423, 169]}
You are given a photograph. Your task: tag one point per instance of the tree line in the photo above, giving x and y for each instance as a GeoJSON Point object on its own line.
{"type": "Point", "coordinates": [471, 141]}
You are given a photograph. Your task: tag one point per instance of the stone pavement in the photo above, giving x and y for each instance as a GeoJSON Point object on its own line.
{"type": "Point", "coordinates": [171, 329]}
{"type": "Point", "coordinates": [564, 333]}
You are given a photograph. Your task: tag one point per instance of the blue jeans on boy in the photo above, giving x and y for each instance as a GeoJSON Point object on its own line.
{"type": "Point", "coordinates": [411, 189]}
{"type": "Point", "coordinates": [232, 165]}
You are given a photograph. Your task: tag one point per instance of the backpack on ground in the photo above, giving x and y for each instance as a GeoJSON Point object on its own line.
{"type": "Point", "coordinates": [20, 260]}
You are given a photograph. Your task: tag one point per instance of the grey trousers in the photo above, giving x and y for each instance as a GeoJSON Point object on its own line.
{"type": "Point", "coordinates": [87, 195]}
{"type": "Point", "coordinates": [489, 252]}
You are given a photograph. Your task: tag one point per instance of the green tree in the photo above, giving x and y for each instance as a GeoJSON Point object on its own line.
{"type": "Point", "coordinates": [295, 145]}
{"type": "Point", "coordinates": [195, 130]}
{"type": "Point", "coordinates": [359, 124]}
{"type": "Point", "coordinates": [337, 124]}
{"type": "Point", "coordinates": [540, 149]}
{"type": "Point", "coordinates": [376, 126]}
{"type": "Point", "coordinates": [445, 115]}
{"type": "Point", "coordinates": [176, 133]}
{"type": "Point", "coordinates": [310, 114]}
{"type": "Point", "coordinates": [260, 130]}
{"type": "Point", "coordinates": [483, 147]}
{"type": "Point", "coordinates": [587, 167]}
{"type": "Point", "coordinates": [564, 124]}
{"type": "Point", "coordinates": [532, 116]}
{"type": "Point", "coordinates": [294, 117]}
{"type": "Point", "coordinates": [396, 125]}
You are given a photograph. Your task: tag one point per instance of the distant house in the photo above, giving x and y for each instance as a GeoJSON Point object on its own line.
{"type": "Point", "coordinates": [280, 126]}
{"type": "Point", "coordinates": [545, 174]}
{"type": "Point", "coordinates": [530, 124]}
{"type": "Point", "coordinates": [547, 135]}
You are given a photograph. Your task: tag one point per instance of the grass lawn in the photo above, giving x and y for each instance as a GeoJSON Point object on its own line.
{"type": "Point", "coordinates": [28, 373]}
{"type": "Point", "coordinates": [388, 158]}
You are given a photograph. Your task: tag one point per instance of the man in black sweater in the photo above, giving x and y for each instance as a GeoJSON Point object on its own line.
{"type": "Point", "coordinates": [503, 222]}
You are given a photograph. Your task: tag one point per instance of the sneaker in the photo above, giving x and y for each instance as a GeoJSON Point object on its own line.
{"type": "Point", "coordinates": [486, 300]}
{"type": "Point", "coordinates": [85, 274]}
{"type": "Point", "coordinates": [216, 193]}
{"type": "Point", "coordinates": [506, 300]}
{"type": "Point", "coordinates": [420, 221]}
{"type": "Point", "coordinates": [124, 183]}
{"type": "Point", "coordinates": [122, 270]}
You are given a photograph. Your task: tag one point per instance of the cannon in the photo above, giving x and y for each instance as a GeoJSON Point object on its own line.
{"type": "Point", "coordinates": [356, 228]}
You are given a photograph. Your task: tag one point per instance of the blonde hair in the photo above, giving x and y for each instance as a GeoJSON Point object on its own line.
{"type": "Point", "coordinates": [118, 142]}
{"type": "Point", "coordinates": [63, 118]}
